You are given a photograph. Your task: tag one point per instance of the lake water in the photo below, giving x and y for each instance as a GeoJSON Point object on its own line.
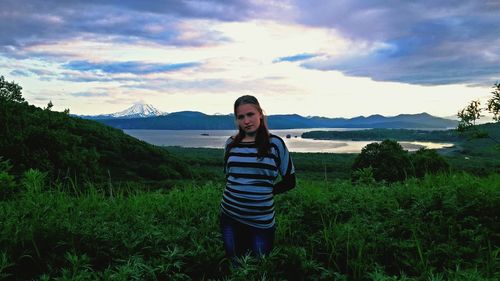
{"type": "Point", "coordinates": [217, 139]}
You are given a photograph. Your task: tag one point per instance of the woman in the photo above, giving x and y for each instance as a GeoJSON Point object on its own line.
{"type": "Point", "coordinates": [253, 160]}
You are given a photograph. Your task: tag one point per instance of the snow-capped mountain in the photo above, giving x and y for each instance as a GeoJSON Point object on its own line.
{"type": "Point", "coordinates": [138, 110]}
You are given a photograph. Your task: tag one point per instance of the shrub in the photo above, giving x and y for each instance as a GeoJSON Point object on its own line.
{"type": "Point", "coordinates": [7, 182]}
{"type": "Point", "coordinates": [388, 159]}
{"type": "Point", "coordinates": [428, 161]}
{"type": "Point", "coordinates": [364, 176]}
{"type": "Point", "coordinates": [34, 180]}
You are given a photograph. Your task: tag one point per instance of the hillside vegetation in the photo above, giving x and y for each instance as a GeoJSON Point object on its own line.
{"type": "Point", "coordinates": [69, 147]}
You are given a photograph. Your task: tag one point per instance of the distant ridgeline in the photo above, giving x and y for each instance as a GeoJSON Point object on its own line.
{"type": "Point", "coordinates": [382, 134]}
{"type": "Point", "coordinates": [491, 129]}
{"type": "Point", "coordinates": [191, 120]}
{"type": "Point", "coordinates": [65, 146]}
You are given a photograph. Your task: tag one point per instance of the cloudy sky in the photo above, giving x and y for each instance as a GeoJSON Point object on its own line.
{"type": "Point", "coordinates": [311, 57]}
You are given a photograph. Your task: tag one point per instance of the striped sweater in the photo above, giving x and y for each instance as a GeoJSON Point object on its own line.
{"type": "Point", "coordinates": [248, 196]}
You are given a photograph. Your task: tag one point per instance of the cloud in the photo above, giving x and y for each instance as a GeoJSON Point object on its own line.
{"type": "Point", "coordinates": [18, 72]}
{"type": "Point", "coordinates": [423, 42]}
{"type": "Point", "coordinates": [89, 94]}
{"type": "Point", "coordinates": [298, 57]}
{"type": "Point", "coordinates": [161, 85]}
{"type": "Point", "coordinates": [219, 86]}
{"type": "Point", "coordinates": [383, 20]}
{"type": "Point", "coordinates": [418, 42]}
{"type": "Point", "coordinates": [133, 67]}
{"type": "Point", "coordinates": [433, 66]}
{"type": "Point", "coordinates": [79, 78]}
{"type": "Point", "coordinates": [42, 74]}
{"type": "Point", "coordinates": [152, 21]}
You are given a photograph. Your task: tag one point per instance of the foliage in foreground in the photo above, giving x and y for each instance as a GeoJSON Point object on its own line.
{"type": "Point", "coordinates": [437, 228]}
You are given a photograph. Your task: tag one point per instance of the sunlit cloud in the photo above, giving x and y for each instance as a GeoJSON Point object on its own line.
{"type": "Point", "coordinates": [325, 58]}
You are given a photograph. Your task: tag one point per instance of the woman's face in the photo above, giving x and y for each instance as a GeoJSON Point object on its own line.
{"type": "Point", "coordinates": [248, 118]}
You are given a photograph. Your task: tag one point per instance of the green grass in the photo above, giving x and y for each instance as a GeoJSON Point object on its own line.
{"type": "Point", "coordinates": [439, 228]}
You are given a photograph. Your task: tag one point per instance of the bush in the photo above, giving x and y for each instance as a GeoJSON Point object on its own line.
{"type": "Point", "coordinates": [364, 176]}
{"type": "Point", "coordinates": [387, 159]}
{"type": "Point", "coordinates": [34, 181]}
{"type": "Point", "coordinates": [7, 182]}
{"type": "Point", "coordinates": [428, 161]}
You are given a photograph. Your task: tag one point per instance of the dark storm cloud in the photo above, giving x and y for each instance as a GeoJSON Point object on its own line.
{"type": "Point", "coordinates": [427, 42]}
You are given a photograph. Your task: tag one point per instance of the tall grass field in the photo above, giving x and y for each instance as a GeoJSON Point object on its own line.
{"type": "Point", "coordinates": [442, 227]}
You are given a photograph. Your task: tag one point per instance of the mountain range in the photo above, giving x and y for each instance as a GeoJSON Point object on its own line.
{"type": "Point", "coordinates": [137, 110]}
{"type": "Point", "coordinates": [144, 116]}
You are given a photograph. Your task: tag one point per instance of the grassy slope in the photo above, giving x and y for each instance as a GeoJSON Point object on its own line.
{"type": "Point", "coordinates": [441, 226]}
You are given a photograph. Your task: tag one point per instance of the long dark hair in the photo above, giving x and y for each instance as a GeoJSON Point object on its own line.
{"type": "Point", "coordinates": [262, 135]}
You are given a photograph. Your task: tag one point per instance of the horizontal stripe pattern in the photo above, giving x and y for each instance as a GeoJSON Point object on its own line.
{"type": "Point", "coordinates": [252, 165]}
{"type": "Point", "coordinates": [261, 184]}
{"type": "Point", "coordinates": [248, 196]}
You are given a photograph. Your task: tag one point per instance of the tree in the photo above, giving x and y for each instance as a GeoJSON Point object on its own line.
{"type": "Point", "coordinates": [388, 160]}
{"type": "Point", "coordinates": [10, 91]}
{"type": "Point", "coordinates": [49, 106]}
{"type": "Point", "coordinates": [494, 103]}
{"type": "Point", "coordinates": [469, 115]}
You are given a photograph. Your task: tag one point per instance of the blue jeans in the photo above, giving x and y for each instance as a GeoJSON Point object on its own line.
{"type": "Point", "coordinates": [241, 239]}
